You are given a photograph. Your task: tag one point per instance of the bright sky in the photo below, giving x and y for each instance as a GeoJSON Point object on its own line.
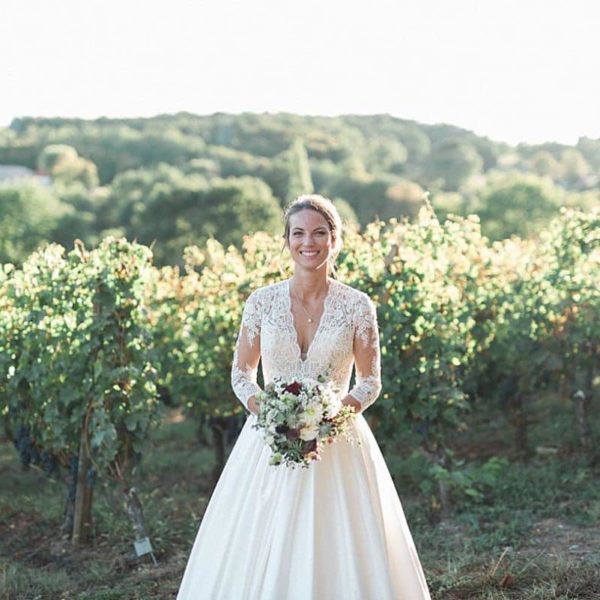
{"type": "Point", "coordinates": [515, 70]}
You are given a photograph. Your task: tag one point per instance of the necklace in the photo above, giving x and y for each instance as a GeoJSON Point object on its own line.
{"type": "Point", "coordinates": [310, 317]}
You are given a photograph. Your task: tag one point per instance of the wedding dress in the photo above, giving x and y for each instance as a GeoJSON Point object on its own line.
{"type": "Point", "coordinates": [333, 531]}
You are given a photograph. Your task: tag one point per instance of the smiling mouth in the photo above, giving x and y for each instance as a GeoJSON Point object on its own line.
{"type": "Point", "coordinates": [311, 253]}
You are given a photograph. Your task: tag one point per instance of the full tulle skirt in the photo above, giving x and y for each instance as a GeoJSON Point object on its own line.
{"type": "Point", "coordinates": [333, 531]}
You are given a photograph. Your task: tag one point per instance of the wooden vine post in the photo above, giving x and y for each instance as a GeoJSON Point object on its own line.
{"type": "Point", "coordinates": [82, 518]}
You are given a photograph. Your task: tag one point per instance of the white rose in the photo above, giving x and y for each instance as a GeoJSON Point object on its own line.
{"type": "Point", "coordinates": [334, 406]}
{"type": "Point", "coordinates": [313, 413]}
{"type": "Point", "coordinates": [309, 432]}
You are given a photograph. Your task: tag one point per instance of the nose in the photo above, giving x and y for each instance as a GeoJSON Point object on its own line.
{"type": "Point", "coordinates": [307, 238]}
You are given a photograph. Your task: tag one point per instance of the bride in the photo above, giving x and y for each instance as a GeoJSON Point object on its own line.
{"type": "Point", "coordinates": [335, 530]}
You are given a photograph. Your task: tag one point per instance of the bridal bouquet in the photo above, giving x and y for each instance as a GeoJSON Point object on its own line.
{"type": "Point", "coordinates": [299, 417]}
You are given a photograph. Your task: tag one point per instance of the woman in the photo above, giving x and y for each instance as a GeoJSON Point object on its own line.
{"type": "Point", "coordinates": [333, 531]}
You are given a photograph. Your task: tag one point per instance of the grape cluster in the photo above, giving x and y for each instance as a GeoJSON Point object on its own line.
{"type": "Point", "coordinates": [30, 454]}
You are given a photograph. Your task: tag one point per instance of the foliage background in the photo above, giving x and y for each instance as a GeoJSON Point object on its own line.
{"type": "Point", "coordinates": [182, 179]}
{"type": "Point", "coordinates": [487, 301]}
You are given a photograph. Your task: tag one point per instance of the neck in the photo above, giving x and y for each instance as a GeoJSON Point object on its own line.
{"type": "Point", "coordinates": [310, 284]}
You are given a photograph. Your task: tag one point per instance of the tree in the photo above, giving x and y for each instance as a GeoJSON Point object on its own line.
{"type": "Point", "coordinates": [29, 214]}
{"type": "Point", "coordinates": [453, 162]}
{"type": "Point", "coordinates": [590, 149]}
{"type": "Point", "coordinates": [574, 167]}
{"type": "Point", "coordinates": [516, 205]}
{"type": "Point", "coordinates": [300, 181]}
{"type": "Point", "coordinates": [403, 198]}
{"type": "Point", "coordinates": [64, 165]}
{"type": "Point", "coordinates": [192, 211]}
{"type": "Point", "coordinates": [132, 187]}
{"type": "Point", "coordinates": [82, 220]}
{"type": "Point", "coordinates": [446, 203]}
{"type": "Point", "coordinates": [239, 206]}
{"type": "Point", "coordinates": [383, 197]}
{"type": "Point", "coordinates": [346, 212]}
{"type": "Point", "coordinates": [386, 155]}
{"type": "Point", "coordinates": [53, 154]}
{"type": "Point", "coordinates": [544, 164]}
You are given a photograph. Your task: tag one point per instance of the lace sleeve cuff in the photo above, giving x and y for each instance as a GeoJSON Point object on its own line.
{"type": "Point", "coordinates": [366, 391]}
{"type": "Point", "coordinates": [243, 382]}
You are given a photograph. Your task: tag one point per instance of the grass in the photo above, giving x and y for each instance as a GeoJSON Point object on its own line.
{"type": "Point", "coordinates": [533, 535]}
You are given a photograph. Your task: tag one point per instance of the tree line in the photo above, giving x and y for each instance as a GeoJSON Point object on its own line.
{"type": "Point", "coordinates": [182, 179]}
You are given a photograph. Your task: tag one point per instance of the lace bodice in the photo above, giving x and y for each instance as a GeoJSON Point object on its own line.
{"type": "Point", "coordinates": [347, 335]}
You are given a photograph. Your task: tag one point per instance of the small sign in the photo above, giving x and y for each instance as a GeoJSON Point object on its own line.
{"type": "Point", "coordinates": [142, 547]}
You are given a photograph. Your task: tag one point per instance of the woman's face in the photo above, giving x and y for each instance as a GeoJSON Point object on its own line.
{"type": "Point", "coordinates": [310, 240]}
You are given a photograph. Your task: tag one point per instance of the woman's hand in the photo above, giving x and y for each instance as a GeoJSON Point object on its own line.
{"type": "Point", "coordinates": [353, 402]}
{"type": "Point", "coordinates": [253, 405]}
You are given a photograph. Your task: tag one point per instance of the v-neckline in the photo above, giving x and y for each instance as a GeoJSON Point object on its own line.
{"type": "Point", "coordinates": [293, 326]}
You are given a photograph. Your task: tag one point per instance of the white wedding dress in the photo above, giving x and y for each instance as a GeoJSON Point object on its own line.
{"type": "Point", "coordinates": [333, 531]}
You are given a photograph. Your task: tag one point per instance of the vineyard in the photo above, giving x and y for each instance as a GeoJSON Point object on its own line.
{"type": "Point", "coordinates": [99, 349]}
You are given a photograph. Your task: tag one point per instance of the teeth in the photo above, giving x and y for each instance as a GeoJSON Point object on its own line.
{"type": "Point", "coordinates": [308, 253]}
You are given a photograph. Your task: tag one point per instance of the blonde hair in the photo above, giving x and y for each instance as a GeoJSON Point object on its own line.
{"type": "Point", "coordinates": [325, 207]}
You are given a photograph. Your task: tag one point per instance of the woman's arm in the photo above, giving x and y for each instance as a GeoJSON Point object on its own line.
{"type": "Point", "coordinates": [366, 357]}
{"type": "Point", "coordinates": [247, 355]}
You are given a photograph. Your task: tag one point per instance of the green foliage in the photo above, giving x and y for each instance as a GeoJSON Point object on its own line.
{"type": "Point", "coordinates": [545, 165]}
{"type": "Point", "coordinates": [516, 205]}
{"type": "Point", "coordinates": [574, 167]}
{"type": "Point", "coordinates": [174, 210]}
{"type": "Point", "coordinates": [469, 484]}
{"type": "Point", "coordinates": [420, 276]}
{"type": "Point", "coordinates": [378, 164]}
{"type": "Point", "coordinates": [29, 214]}
{"type": "Point", "coordinates": [347, 215]}
{"type": "Point", "coordinates": [75, 352]}
{"type": "Point", "coordinates": [456, 314]}
{"type": "Point", "coordinates": [452, 163]}
{"type": "Point", "coordinates": [590, 149]}
{"type": "Point", "coordinates": [371, 198]}
{"type": "Point", "coordinates": [84, 219]}
{"type": "Point", "coordinates": [85, 339]}
{"type": "Point", "coordinates": [112, 145]}
{"type": "Point", "coordinates": [65, 166]}
{"type": "Point", "coordinates": [300, 181]}
{"type": "Point", "coordinates": [197, 315]}
{"type": "Point", "coordinates": [385, 155]}
{"type": "Point", "coordinates": [52, 155]}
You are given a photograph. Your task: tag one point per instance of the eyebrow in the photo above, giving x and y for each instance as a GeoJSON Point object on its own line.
{"type": "Point", "coordinates": [296, 228]}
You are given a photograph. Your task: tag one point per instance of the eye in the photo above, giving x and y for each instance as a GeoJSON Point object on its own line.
{"type": "Point", "coordinates": [297, 233]}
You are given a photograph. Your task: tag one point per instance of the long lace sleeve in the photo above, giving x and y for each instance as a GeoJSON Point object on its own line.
{"type": "Point", "coordinates": [366, 353]}
{"type": "Point", "coordinates": [247, 352]}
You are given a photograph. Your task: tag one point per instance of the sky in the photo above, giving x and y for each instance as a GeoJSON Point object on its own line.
{"type": "Point", "coordinates": [513, 70]}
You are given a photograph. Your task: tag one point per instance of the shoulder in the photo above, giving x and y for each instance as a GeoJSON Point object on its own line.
{"type": "Point", "coordinates": [264, 295]}
{"type": "Point", "coordinates": [353, 296]}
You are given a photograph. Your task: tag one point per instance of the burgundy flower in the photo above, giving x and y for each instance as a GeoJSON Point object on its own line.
{"type": "Point", "coordinates": [310, 446]}
{"type": "Point", "coordinates": [294, 388]}
{"type": "Point", "coordinates": [292, 434]}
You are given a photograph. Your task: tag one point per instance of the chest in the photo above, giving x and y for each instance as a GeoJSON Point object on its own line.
{"type": "Point", "coordinates": [306, 324]}
{"type": "Point", "coordinates": [286, 333]}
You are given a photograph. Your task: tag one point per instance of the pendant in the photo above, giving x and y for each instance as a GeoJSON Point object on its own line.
{"type": "Point", "coordinates": [310, 320]}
